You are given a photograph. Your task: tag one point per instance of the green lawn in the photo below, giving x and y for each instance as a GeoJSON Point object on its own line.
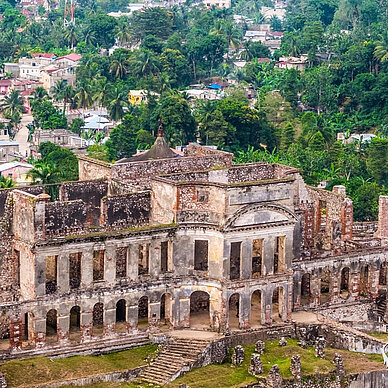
{"type": "Point", "coordinates": [225, 376]}
{"type": "Point", "coordinates": [26, 373]}
{"type": "Point", "coordinates": [380, 336]}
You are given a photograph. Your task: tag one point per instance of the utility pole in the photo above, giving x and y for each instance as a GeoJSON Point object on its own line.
{"type": "Point", "coordinates": [68, 18]}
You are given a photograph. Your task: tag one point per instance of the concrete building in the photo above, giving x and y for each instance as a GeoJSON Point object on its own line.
{"type": "Point", "coordinates": [186, 241]}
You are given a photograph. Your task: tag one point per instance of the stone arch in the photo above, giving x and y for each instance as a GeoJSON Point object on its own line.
{"type": "Point", "coordinates": [269, 214]}
{"type": "Point", "coordinates": [200, 310]}
{"type": "Point", "coordinates": [75, 324]}
{"type": "Point", "coordinates": [278, 304]}
{"type": "Point", "coordinates": [325, 285]}
{"type": "Point", "coordinates": [166, 309]}
{"type": "Point", "coordinates": [121, 316]}
{"type": "Point", "coordinates": [142, 313]}
{"type": "Point", "coordinates": [52, 326]}
{"type": "Point", "coordinates": [305, 289]}
{"type": "Point", "coordinates": [344, 283]}
{"type": "Point", "coordinates": [234, 311]}
{"type": "Point", "coordinates": [98, 319]}
{"type": "Point", "coordinates": [256, 313]}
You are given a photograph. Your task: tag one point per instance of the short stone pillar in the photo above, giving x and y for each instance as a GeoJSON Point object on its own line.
{"type": "Point", "coordinates": [238, 355]}
{"type": "Point", "coordinates": [296, 368]}
{"type": "Point", "coordinates": [274, 380]}
{"type": "Point", "coordinates": [282, 342]}
{"type": "Point", "coordinates": [340, 370]}
{"type": "Point", "coordinates": [3, 381]}
{"type": "Point", "coordinates": [259, 347]}
{"type": "Point", "coordinates": [339, 189]}
{"type": "Point", "coordinates": [320, 344]}
{"type": "Point", "coordinates": [256, 366]}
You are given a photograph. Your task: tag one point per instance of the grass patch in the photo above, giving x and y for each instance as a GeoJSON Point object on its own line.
{"type": "Point", "coordinates": [27, 373]}
{"type": "Point", "coordinates": [225, 376]}
{"type": "Point", "coordinates": [380, 336]}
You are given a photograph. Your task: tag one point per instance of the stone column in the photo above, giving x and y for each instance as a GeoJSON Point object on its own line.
{"type": "Point", "coordinates": [245, 310]}
{"type": "Point", "coordinates": [40, 275]}
{"type": "Point", "coordinates": [63, 273]}
{"type": "Point", "coordinates": [87, 268]}
{"type": "Point", "coordinates": [374, 282]}
{"type": "Point", "coordinates": [16, 334]}
{"type": "Point", "coordinates": [110, 265]}
{"type": "Point", "coordinates": [132, 317]}
{"type": "Point", "coordinates": [86, 325]}
{"type": "Point", "coordinates": [246, 259]}
{"type": "Point", "coordinates": [184, 312]}
{"type": "Point", "coordinates": [63, 325]}
{"type": "Point", "coordinates": [354, 285]}
{"type": "Point", "coordinates": [287, 303]}
{"type": "Point", "coordinates": [153, 315]}
{"type": "Point", "coordinates": [315, 290]}
{"type": "Point", "coordinates": [267, 307]}
{"type": "Point", "coordinates": [297, 288]}
{"type": "Point", "coordinates": [268, 255]}
{"type": "Point", "coordinates": [109, 321]}
{"type": "Point", "coordinates": [39, 327]}
{"type": "Point", "coordinates": [154, 258]}
{"type": "Point", "coordinates": [133, 262]}
{"type": "Point", "coordinates": [334, 287]}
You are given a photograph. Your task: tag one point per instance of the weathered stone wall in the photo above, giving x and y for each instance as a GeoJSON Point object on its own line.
{"type": "Point", "coordinates": [382, 231]}
{"type": "Point", "coordinates": [140, 173]}
{"type": "Point", "coordinates": [124, 211]}
{"type": "Point", "coordinates": [90, 192]}
{"type": "Point", "coordinates": [90, 169]}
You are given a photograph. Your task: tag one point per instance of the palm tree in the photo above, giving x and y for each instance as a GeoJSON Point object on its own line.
{"type": "Point", "coordinates": [124, 34]}
{"type": "Point", "coordinates": [44, 173]}
{"type": "Point", "coordinates": [70, 36]}
{"type": "Point", "coordinates": [39, 94]}
{"type": "Point", "coordinates": [57, 90]}
{"type": "Point", "coordinates": [90, 37]}
{"type": "Point", "coordinates": [146, 63]}
{"type": "Point", "coordinates": [381, 49]}
{"type": "Point", "coordinates": [84, 96]}
{"type": "Point", "coordinates": [100, 90]}
{"type": "Point", "coordinates": [6, 183]}
{"type": "Point", "coordinates": [68, 96]}
{"type": "Point", "coordinates": [13, 103]}
{"type": "Point", "coordinates": [227, 29]}
{"type": "Point", "coordinates": [98, 137]}
{"type": "Point", "coordinates": [119, 66]}
{"type": "Point", "coordinates": [118, 99]}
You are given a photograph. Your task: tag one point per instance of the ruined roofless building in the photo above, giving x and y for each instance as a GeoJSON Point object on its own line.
{"type": "Point", "coordinates": [205, 245]}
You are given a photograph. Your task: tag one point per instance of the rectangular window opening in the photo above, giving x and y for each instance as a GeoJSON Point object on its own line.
{"type": "Point", "coordinates": [235, 258]}
{"type": "Point", "coordinates": [201, 255]}
{"type": "Point", "coordinates": [257, 258]}
{"type": "Point", "coordinates": [121, 262]}
{"type": "Point", "coordinates": [279, 254]}
{"type": "Point", "coordinates": [51, 274]}
{"type": "Point", "coordinates": [143, 264]}
{"type": "Point", "coordinates": [75, 270]}
{"type": "Point", "coordinates": [164, 256]}
{"type": "Point", "coordinates": [98, 265]}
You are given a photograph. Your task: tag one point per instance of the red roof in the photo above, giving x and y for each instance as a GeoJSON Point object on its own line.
{"type": "Point", "coordinates": [5, 82]}
{"type": "Point", "coordinates": [72, 57]}
{"type": "Point", "coordinates": [263, 60]}
{"type": "Point", "coordinates": [43, 55]}
{"type": "Point", "coordinates": [277, 33]}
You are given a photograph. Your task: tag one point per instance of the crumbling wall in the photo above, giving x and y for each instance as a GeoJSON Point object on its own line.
{"type": "Point", "coordinates": [382, 230]}
{"type": "Point", "coordinates": [140, 173]}
{"type": "Point", "coordinates": [125, 211]}
{"type": "Point", "coordinates": [90, 169]}
{"type": "Point", "coordinates": [64, 218]}
{"type": "Point", "coordinates": [251, 172]}
{"type": "Point", "coordinates": [90, 192]}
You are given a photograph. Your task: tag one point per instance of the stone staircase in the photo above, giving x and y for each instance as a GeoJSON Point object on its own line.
{"type": "Point", "coordinates": [177, 357]}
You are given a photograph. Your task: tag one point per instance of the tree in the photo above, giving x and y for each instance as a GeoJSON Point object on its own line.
{"type": "Point", "coordinates": [83, 95]}
{"type": "Point", "coordinates": [288, 136]}
{"type": "Point", "coordinates": [378, 160]}
{"type": "Point", "coordinates": [178, 122]}
{"type": "Point", "coordinates": [44, 173]}
{"type": "Point", "coordinates": [176, 67]}
{"type": "Point", "coordinates": [381, 49]}
{"type": "Point", "coordinates": [119, 65]}
{"type": "Point", "coordinates": [104, 29]}
{"type": "Point", "coordinates": [117, 99]}
{"type": "Point", "coordinates": [317, 142]}
{"type": "Point", "coordinates": [122, 139]}
{"type": "Point", "coordinates": [6, 183]}
{"type": "Point", "coordinates": [366, 202]}
{"type": "Point", "coordinates": [13, 103]}
{"type": "Point", "coordinates": [214, 129]}
{"type": "Point", "coordinates": [153, 21]}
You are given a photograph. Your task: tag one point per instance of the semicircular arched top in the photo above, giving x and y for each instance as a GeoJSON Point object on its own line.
{"type": "Point", "coordinates": [260, 215]}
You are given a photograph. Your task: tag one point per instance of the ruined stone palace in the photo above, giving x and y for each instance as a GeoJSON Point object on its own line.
{"type": "Point", "coordinates": [163, 241]}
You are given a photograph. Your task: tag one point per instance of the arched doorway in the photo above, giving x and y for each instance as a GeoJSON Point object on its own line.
{"type": "Point", "coordinates": [75, 324]}
{"type": "Point", "coordinates": [344, 284]}
{"type": "Point", "coordinates": [325, 285]}
{"type": "Point", "coordinates": [166, 310]}
{"type": "Point", "coordinates": [28, 332]}
{"type": "Point", "coordinates": [199, 310]}
{"type": "Point", "coordinates": [142, 321]}
{"type": "Point", "coordinates": [364, 281]}
{"type": "Point", "coordinates": [121, 312]}
{"type": "Point", "coordinates": [256, 309]}
{"type": "Point", "coordinates": [305, 289]}
{"type": "Point", "coordinates": [234, 311]}
{"type": "Point", "coordinates": [51, 326]}
{"type": "Point", "coordinates": [277, 304]}
{"type": "Point", "coordinates": [98, 319]}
